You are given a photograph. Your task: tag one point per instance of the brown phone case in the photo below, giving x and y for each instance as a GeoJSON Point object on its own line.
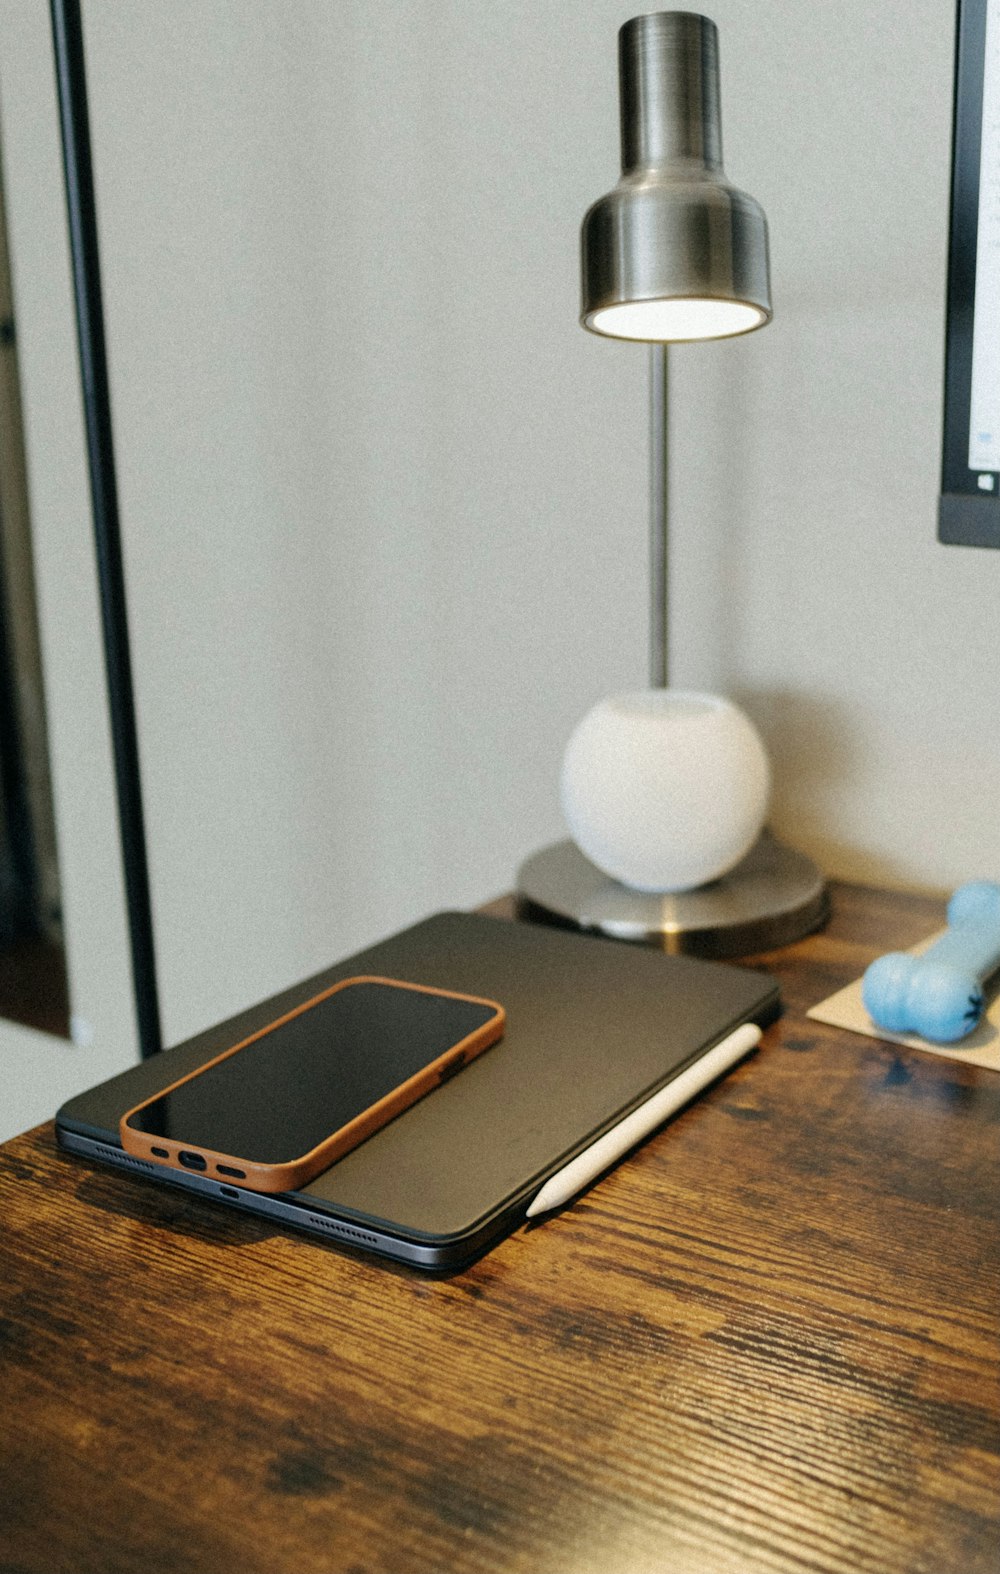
{"type": "Point", "coordinates": [293, 1173]}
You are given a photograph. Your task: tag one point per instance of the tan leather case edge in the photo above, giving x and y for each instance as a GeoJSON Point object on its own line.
{"type": "Point", "coordinates": [290, 1175]}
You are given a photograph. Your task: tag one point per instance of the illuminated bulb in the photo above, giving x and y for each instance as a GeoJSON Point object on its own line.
{"type": "Point", "coordinates": [665, 321]}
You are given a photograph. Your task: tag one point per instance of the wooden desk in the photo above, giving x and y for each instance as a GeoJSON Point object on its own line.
{"type": "Point", "coordinates": [768, 1342]}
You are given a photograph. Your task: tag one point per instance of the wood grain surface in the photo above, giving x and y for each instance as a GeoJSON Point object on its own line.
{"type": "Point", "coordinates": [767, 1342]}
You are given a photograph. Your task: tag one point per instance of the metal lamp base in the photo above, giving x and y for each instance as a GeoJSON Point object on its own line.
{"type": "Point", "coordinates": [773, 897]}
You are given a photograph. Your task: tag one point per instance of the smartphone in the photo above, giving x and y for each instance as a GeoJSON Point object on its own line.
{"type": "Point", "coordinates": [276, 1109]}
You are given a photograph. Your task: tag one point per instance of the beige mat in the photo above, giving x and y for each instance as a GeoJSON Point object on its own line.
{"type": "Point", "coordinates": [981, 1048]}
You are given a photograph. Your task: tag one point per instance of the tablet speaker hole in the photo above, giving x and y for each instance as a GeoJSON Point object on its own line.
{"type": "Point", "coordinates": [227, 1169]}
{"type": "Point", "coordinates": [161, 1153]}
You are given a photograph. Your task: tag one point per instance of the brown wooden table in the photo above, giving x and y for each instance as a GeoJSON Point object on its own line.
{"type": "Point", "coordinates": [767, 1342]}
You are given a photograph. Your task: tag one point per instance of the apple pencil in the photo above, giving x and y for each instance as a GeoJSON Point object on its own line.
{"type": "Point", "coordinates": [570, 1180]}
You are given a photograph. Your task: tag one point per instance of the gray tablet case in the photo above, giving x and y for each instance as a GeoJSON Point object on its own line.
{"type": "Point", "coordinates": [594, 1027]}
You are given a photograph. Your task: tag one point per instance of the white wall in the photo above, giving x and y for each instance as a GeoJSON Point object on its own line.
{"type": "Point", "coordinates": [385, 504]}
{"type": "Point", "coordinates": [866, 651]}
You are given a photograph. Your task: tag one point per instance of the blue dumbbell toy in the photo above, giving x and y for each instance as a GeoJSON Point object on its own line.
{"type": "Point", "coordinates": [940, 995]}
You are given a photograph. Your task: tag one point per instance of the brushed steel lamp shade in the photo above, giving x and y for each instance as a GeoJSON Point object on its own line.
{"type": "Point", "coordinates": [673, 252]}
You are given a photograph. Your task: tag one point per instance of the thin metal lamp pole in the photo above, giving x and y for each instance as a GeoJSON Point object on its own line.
{"type": "Point", "coordinates": [659, 451]}
{"type": "Point", "coordinates": [71, 87]}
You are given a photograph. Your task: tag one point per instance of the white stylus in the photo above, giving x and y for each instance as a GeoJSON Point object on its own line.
{"type": "Point", "coordinates": [570, 1180]}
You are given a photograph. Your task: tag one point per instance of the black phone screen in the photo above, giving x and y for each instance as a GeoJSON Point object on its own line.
{"type": "Point", "coordinates": [284, 1093]}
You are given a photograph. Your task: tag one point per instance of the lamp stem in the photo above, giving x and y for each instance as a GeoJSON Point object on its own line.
{"type": "Point", "coordinates": [658, 516]}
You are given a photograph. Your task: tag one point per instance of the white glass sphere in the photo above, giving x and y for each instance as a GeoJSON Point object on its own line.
{"type": "Point", "coordinates": [665, 790]}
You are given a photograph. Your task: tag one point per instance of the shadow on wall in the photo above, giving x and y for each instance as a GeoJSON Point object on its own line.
{"type": "Point", "coordinates": [816, 749]}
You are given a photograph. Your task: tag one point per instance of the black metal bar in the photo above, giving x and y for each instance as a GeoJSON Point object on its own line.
{"type": "Point", "coordinates": [71, 85]}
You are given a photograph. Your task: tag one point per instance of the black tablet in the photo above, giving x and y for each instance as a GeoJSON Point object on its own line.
{"type": "Point", "coordinates": [594, 1028]}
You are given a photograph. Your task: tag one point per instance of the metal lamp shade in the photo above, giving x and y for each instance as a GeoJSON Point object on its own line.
{"type": "Point", "coordinates": [674, 251]}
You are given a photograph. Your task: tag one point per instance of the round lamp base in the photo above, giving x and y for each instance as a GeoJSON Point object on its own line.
{"type": "Point", "coordinates": [773, 897]}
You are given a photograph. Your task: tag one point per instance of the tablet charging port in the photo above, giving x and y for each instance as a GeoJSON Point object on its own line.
{"type": "Point", "coordinates": [192, 1161]}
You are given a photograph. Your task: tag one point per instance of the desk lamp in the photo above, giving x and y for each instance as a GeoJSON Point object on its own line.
{"type": "Point", "coordinates": [666, 792]}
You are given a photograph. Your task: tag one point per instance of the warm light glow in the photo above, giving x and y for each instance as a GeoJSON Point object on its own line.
{"type": "Point", "coordinates": [663, 321]}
